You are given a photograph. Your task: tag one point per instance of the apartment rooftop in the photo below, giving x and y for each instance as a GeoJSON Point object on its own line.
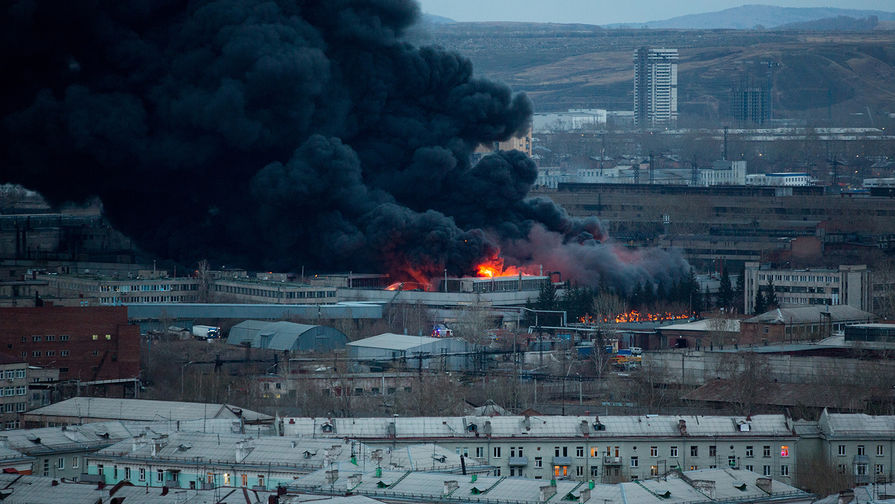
{"type": "Point", "coordinates": [706, 485]}
{"type": "Point", "coordinates": [648, 426]}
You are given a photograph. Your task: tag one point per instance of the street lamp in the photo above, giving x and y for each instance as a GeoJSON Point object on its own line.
{"type": "Point", "coordinates": [185, 364]}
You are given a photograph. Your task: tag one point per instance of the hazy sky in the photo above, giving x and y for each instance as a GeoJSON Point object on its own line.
{"type": "Point", "coordinates": [606, 11]}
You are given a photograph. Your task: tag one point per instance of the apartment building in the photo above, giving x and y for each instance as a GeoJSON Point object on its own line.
{"type": "Point", "coordinates": [83, 343]}
{"type": "Point", "coordinates": [847, 285]}
{"type": "Point", "coordinates": [603, 449]}
{"type": "Point", "coordinates": [655, 87]}
{"type": "Point", "coordinates": [13, 390]}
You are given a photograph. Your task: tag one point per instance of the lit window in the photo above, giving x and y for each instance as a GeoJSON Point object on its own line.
{"type": "Point", "coordinates": [226, 479]}
{"type": "Point", "coordinates": [95, 337]}
{"type": "Point", "coordinates": [784, 451]}
{"type": "Point", "coordinates": [108, 336]}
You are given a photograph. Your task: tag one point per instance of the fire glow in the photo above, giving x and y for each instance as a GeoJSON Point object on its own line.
{"type": "Point", "coordinates": [634, 316]}
{"type": "Point", "coordinates": [495, 268]}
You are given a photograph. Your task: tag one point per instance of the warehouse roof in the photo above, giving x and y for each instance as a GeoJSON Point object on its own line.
{"type": "Point", "coordinates": [540, 426]}
{"type": "Point", "coordinates": [706, 325]}
{"type": "Point", "coordinates": [812, 314]}
{"type": "Point", "coordinates": [281, 335]}
{"type": "Point", "coordinates": [141, 410]}
{"type": "Point", "coordinates": [391, 341]}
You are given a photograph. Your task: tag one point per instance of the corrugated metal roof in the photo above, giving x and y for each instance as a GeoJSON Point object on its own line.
{"type": "Point", "coordinates": [283, 335]}
{"type": "Point", "coordinates": [391, 341]}
{"type": "Point", "coordinates": [728, 325]}
{"type": "Point", "coordinates": [813, 314]}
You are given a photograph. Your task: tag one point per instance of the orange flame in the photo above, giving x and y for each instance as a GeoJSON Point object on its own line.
{"type": "Point", "coordinates": [494, 267]}
{"type": "Point", "coordinates": [634, 316]}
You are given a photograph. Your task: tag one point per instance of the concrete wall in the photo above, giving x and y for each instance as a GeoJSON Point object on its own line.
{"type": "Point", "coordinates": [695, 368]}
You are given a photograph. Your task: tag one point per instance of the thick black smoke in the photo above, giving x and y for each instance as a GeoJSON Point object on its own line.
{"type": "Point", "coordinates": [275, 134]}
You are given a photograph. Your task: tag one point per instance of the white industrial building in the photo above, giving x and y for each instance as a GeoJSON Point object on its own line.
{"type": "Point", "coordinates": [573, 120]}
{"type": "Point", "coordinates": [414, 352]}
{"type": "Point", "coordinates": [847, 285]}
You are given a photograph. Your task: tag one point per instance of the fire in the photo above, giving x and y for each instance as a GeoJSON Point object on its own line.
{"type": "Point", "coordinates": [634, 316]}
{"type": "Point", "coordinates": [494, 267]}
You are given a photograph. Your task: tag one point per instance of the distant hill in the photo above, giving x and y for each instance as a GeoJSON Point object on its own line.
{"type": "Point", "coordinates": [436, 20]}
{"type": "Point", "coordinates": [750, 16]}
{"type": "Point", "coordinates": [838, 23]}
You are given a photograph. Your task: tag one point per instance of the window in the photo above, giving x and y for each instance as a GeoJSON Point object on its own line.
{"type": "Point", "coordinates": [95, 337]}
{"type": "Point", "coordinates": [556, 451]}
{"type": "Point", "coordinates": [653, 470]}
{"type": "Point", "coordinates": [694, 451]}
{"type": "Point", "coordinates": [51, 353]}
{"type": "Point", "coordinates": [766, 470]}
{"type": "Point", "coordinates": [539, 462]}
{"type": "Point", "coordinates": [653, 451]}
{"type": "Point", "coordinates": [595, 470]}
{"type": "Point", "coordinates": [63, 353]}
{"type": "Point", "coordinates": [99, 469]}
{"type": "Point", "coordinates": [634, 462]}
{"type": "Point", "coordinates": [496, 452]}
{"type": "Point", "coordinates": [840, 468]}
{"type": "Point", "coordinates": [209, 478]}
{"type": "Point", "coordinates": [841, 451]}
{"type": "Point", "coordinates": [879, 469]}
{"type": "Point", "coordinates": [860, 449]}
{"type": "Point", "coordinates": [750, 468]}
{"type": "Point", "coordinates": [594, 451]}
{"type": "Point", "coordinates": [673, 451]}
{"type": "Point", "coordinates": [766, 451]}
{"type": "Point", "coordinates": [108, 336]}
{"type": "Point", "coordinates": [784, 470]}
{"type": "Point", "coordinates": [64, 337]}
{"type": "Point", "coordinates": [160, 476]}
{"type": "Point", "coordinates": [226, 475]}
{"type": "Point", "coordinates": [860, 469]}
{"type": "Point", "coordinates": [127, 473]}
{"type": "Point", "coordinates": [713, 450]}
{"type": "Point", "coordinates": [60, 463]}
{"type": "Point", "coordinates": [879, 450]}
{"type": "Point", "coordinates": [50, 337]}
{"type": "Point", "coordinates": [732, 461]}
{"type": "Point", "coordinates": [244, 479]}
{"type": "Point", "coordinates": [75, 462]}
{"type": "Point", "coordinates": [479, 451]}
{"type": "Point", "coordinates": [142, 474]}
{"type": "Point", "coordinates": [35, 354]}
{"type": "Point", "coordinates": [565, 451]}
{"type": "Point", "coordinates": [579, 452]}
{"type": "Point", "coordinates": [520, 451]}
{"type": "Point", "coordinates": [784, 451]}
{"type": "Point", "coordinates": [35, 338]}
{"type": "Point", "coordinates": [579, 471]}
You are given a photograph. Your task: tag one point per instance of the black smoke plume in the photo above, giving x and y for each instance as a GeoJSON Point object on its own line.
{"type": "Point", "coordinates": [276, 133]}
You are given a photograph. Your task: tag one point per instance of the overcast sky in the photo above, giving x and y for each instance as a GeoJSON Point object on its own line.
{"type": "Point", "coordinates": [614, 11]}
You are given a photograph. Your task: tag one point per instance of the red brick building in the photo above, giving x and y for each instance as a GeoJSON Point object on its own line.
{"type": "Point", "coordinates": [84, 343]}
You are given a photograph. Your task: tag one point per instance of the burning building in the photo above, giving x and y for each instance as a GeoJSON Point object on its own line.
{"type": "Point", "coordinates": [281, 134]}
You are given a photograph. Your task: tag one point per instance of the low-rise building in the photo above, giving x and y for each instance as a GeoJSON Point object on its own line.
{"type": "Point", "coordinates": [807, 323]}
{"type": "Point", "coordinates": [859, 445]}
{"type": "Point", "coordinates": [287, 336]}
{"type": "Point", "coordinates": [79, 410]}
{"type": "Point", "coordinates": [604, 449]}
{"type": "Point", "coordinates": [414, 352]}
{"type": "Point", "coordinates": [198, 460]}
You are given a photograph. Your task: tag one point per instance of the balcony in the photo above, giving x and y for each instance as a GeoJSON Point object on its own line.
{"type": "Point", "coordinates": [518, 462]}
{"type": "Point", "coordinates": [612, 461]}
{"type": "Point", "coordinates": [562, 461]}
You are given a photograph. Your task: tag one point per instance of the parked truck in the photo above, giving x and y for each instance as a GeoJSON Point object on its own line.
{"type": "Point", "coordinates": [206, 332]}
